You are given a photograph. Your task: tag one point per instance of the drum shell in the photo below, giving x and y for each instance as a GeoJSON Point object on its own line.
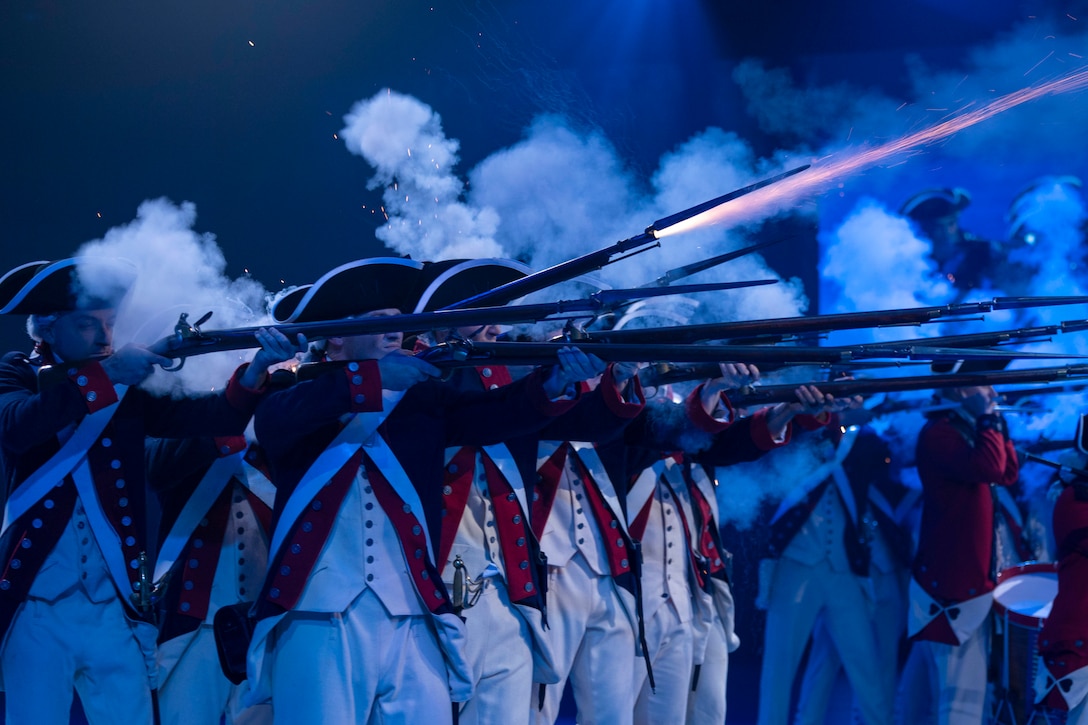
{"type": "Point", "coordinates": [1022, 599]}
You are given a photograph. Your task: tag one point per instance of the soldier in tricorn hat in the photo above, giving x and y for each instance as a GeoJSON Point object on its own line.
{"type": "Point", "coordinates": [75, 550]}
{"type": "Point", "coordinates": [355, 623]}
{"type": "Point", "coordinates": [962, 258]}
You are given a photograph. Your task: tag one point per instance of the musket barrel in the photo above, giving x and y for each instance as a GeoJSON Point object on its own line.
{"type": "Point", "coordinates": [702, 265]}
{"type": "Point", "coordinates": [1019, 303]}
{"type": "Point", "coordinates": [521, 353]}
{"type": "Point", "coordinates": [191, 340]}
{"type": "Point", "coordinates": [766, 394]}
{"type": "Point", "coordinates": [673, 219]}
{"type": "Point", "coordinates": [554, 275]}
{"type": "Point", "coordinates": [205, 341]}
{"type": "Point", "coordinates": [981, 339]}
{"type": "Point", "coordinates": [525, 353]}
{"type": "Point", "coordinates": [595, 260]}
{"type": "Point", "coordinates": [778, 326]}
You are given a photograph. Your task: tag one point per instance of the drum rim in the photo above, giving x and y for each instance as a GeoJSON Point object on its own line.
{"type": "Point", "coordinates": [1028, 567]}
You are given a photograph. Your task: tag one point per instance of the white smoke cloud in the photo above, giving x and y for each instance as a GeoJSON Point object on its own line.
{"type": "Point", "coordinates": [178, 270]}
{"type": "Point", "coordinates": [878, 262]}
{"type": "Point", "coordinates": [402, 139]}
{"type": "Point", "coordinates": [556, 195]}
{"type": "Point", "coordinates": [745, 488]}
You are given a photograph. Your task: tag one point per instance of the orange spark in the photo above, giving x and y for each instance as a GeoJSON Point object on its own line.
{"type": "Point", "coordinates": [770, 199]}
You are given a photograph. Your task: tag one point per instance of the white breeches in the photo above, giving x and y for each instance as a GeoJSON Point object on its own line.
{"type": "Point", "coordinates": [670, 643]}
{"type": "Point", "coordinates": [594, 645]}
{"type": "Point", "coordinates": [800, 592]}
{"type": "Point", "coordinates": [498, 649]}
{"type": "Point", "coordinates": [53, 647]}
{"type": "Point", "coordinates": [195, 691]}
{"type": "Point", "coordinates": [706, 703]}
{"type": "Point", "coordinates": [359, 666]}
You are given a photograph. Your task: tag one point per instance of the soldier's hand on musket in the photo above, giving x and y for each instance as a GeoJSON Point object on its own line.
{"type": "Point", "coordinates": [622, 374]}
{"type": "Point", "coordinates": [132, 364]}
{"type": "Point", "coordinates": [275, 348]}
{"type": "Point", "coordinates": [574, 367]}
{"type": "Point", "coordinates": [810, 401]}
{"type": "Point", "coordinates": [813, 402]}
{"type": "Point", "coordinates": [733, 377]}
{"type": "Point", "coordinates": [401, 370]}
{"type": "Point", "coordinates": [624, 371]}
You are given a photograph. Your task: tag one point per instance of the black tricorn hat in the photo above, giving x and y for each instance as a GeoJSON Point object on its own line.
{"type": "Point", "coordinates": [970, 367]}
{"type": "Point", "coordinates": [450, 281]}
{"type": "Point", "coordinates": [935, 203]}
{"type": "Point", "coordinates": [352, 289]}
{"type": "Point", "coordinates": [87, 283]}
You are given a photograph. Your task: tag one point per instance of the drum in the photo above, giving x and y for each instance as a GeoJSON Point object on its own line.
{"type": "Point", "coordinates": [1022, 600]}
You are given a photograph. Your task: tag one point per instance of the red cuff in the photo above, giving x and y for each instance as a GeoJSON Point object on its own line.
{"type": "Point", "coordinates": [228, 445]}
{"type": "Point", "coordinates": [540, 400]}
{"type": "Point", "coordinates": [94, 386]}
{"type": "Point", "coordinates": [364, 386]}
{"type": "Point", "coordinates": [239, 396]}
{"type": "Point", "coordinates": [761, 432]}
{"type": "Point", "coordinates": [705, 421]}
{"type": "Point", "coordinates": [614, 402]}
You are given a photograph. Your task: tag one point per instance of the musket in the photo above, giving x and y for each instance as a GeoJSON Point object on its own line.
{"type": "Point", "coordinates": [1015, 395]}
{"type": "Point", "coordinates": [665, 373]}
{"type": "Point", "coordinates": [1081, 483]}
{"type": "Point", "coordinates": [608, 255]}
{"type": "Point", "coordinates": [1047, 446]}
{"type": "Point", "coordinates": [981, 339]}
{"type": "Point", "coordinates": [766, 394]}
{"type": "Point", "coordinates": [463, 352]}
{"type": "Point", "coordinates": [792, 326]}
{"type": "Point", "coordinates": [189, 339]}
{"type": "Point", "coordinates": [678, 273]}
{"type": "Point", "coordinates": [1008, 402]}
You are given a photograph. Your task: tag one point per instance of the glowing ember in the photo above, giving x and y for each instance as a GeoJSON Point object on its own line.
{"type": "Point", "coordinates": [766, 201]}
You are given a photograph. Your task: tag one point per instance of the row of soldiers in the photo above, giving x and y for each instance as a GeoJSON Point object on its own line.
{"type": "Point", "coordinates": [895, 586]}
{"type": "Point", "coordinates": [404, 548]}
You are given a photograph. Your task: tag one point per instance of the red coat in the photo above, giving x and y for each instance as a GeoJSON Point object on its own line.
{"type": "Point", "coordinates": [1064, 636]}
{"type": "Point", "coordinates": [957, 462]}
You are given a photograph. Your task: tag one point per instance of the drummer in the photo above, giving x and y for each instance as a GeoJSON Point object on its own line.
{"type": "Point", "coordinates": [1061, 680]}
{"type": "Point", "coordinates": [961, 453]}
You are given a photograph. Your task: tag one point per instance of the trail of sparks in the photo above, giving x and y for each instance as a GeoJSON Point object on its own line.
{"type": "Point", "coordinates": [766, 201]}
